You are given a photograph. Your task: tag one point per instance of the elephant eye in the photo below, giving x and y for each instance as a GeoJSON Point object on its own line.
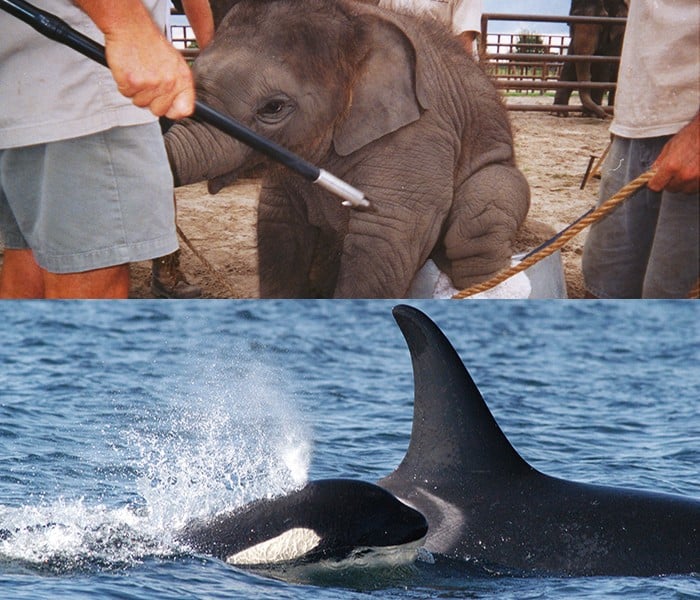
{"type": "Point", "coordinates": [273, 110]}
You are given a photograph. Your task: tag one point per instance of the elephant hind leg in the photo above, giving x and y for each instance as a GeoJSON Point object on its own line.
{"type": "Point", "coordinates": [489, 208]}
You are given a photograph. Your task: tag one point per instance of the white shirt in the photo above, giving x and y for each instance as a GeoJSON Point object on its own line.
{"type": "Point", "coordinates": [460, 15]}
{"type": "Point", "coordinates": [659, 79]}
{"type": "Point", "coordinates": [49, 92]}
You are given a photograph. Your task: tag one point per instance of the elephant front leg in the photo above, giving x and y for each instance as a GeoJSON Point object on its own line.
{"type": "Point", "coordinates": [383, 250]}
{"type": "Point", "coordinates": [489, 208]}
{"type": "Point", "coordinates": [563, 94]}
{"type": "Point", "coordinates": [286, 244]}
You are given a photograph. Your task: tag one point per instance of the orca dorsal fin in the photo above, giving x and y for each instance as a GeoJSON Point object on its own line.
{"type": "Point", "coordinates": [454, 434]}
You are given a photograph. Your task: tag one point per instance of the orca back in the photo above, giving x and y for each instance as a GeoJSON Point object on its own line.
{"type": "Point", "coordinates": [485, 504]}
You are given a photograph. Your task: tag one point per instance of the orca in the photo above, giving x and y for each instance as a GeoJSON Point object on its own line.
{"type": "Point", "coordinates": [485, 504]}
{"type": "Point", "coordinates": [341, 522]}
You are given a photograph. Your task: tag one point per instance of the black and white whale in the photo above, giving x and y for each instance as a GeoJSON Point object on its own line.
{"type": "Point", "coordinates": [336, 521]}
{"type": "Point", "coordinates": [485, 504]}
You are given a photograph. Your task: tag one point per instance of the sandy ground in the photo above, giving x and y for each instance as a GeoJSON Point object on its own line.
{"type": "Point", "coordinates": [553, 153]}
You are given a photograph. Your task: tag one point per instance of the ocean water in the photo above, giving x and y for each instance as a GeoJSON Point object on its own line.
{"type": "Point", "coordinates": [119, 422]}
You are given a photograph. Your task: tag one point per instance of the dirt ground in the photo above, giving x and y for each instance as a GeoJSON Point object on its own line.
{"type": "Point", "coordinates": [553, 153]}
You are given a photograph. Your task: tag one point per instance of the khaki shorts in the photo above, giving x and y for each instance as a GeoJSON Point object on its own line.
{"type": "Point", "coordinates": [647, 247]}
{"type": "Point", "coordinates": [91, 202]}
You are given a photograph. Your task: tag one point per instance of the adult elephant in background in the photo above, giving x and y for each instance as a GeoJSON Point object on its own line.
{"type": "Point", "coordinates": [390, 103]}
{"type": "Point", "coordinates": [593, 40]}
{"type": "Point", "coordinates": [219, 8]}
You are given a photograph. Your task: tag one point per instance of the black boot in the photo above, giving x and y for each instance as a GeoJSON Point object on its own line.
{"type": "Point", "coordinates": [167, 281]}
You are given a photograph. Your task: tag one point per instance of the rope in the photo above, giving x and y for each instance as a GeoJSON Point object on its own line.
{"type": "Point", "coordinates": [562, 237]}
{"type": "Point", "coordinates": [213, 272]}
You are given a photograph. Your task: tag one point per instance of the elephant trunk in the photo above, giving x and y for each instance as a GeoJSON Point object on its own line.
{"type": "Point", "coordinates": [199, 152]}
{"type": "Point", "coordinates": [585, 40]}
{"type": "Point", "coordinates": [587, 100]}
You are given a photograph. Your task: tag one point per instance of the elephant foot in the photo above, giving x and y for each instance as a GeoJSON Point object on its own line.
{"type": "Point", "coordinates": [559, 103]}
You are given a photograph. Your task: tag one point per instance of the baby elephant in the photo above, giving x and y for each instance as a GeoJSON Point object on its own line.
{"type": "Point", "coordinates": [390, 103]}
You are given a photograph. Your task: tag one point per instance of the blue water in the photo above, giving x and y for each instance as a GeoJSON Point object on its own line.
{"type": "Point", "coordinates": [119, 422]}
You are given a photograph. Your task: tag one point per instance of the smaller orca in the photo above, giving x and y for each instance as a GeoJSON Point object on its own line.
{"type": "Point", "coordinates": [484, 503]}
{"type": "Point", "coordinates": [335, 520]}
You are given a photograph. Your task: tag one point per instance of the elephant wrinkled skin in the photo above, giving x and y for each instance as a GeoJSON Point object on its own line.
{"type": "Point", "coordinates": [390, 103]}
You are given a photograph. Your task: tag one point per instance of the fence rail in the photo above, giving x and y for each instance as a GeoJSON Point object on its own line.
{"type": "Point", "coordinates": [516, 64]}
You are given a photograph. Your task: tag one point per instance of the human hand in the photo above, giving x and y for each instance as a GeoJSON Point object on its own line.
{"type": "Point", "coordinates": [144, 64]}
{"type": "Point", "coordinates": [678, 164]}
{"type": "Point", "coordinates": [150, 71]}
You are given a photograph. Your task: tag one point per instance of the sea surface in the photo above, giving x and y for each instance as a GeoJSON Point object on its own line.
{"type": "Point", "coordinates": [120, 422]}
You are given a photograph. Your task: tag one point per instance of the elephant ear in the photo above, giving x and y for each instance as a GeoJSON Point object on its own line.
{"type": "Point", "coordinates": [386, 93]}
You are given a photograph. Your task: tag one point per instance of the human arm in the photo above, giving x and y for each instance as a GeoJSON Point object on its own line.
{"type": "Point", "coordinates": [467, 39]}
{"type": "Point", "coordinates": [200, 17]}
{"type": "Point", "coordinates": [144, 64]}
{"type": "Point", "coordinates": [466, 19]}
{"type": "Point", "coordinates": [678, 165]}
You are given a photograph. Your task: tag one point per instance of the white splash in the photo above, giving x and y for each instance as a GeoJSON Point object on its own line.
{"type": "Point", "coordinates": [218, 444]}
{"type": "Point", "coordinates": [226, 443]}
{"type": "Point", "coordinates": [73, 535]}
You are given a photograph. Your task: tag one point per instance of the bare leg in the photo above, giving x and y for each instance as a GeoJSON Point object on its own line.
{"type": "Point", "coordinates": [467, 39]}
{"type": "Point", "coordinates": [20, 276]}
{"type": "Point", "coordinates": [109, 283]}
